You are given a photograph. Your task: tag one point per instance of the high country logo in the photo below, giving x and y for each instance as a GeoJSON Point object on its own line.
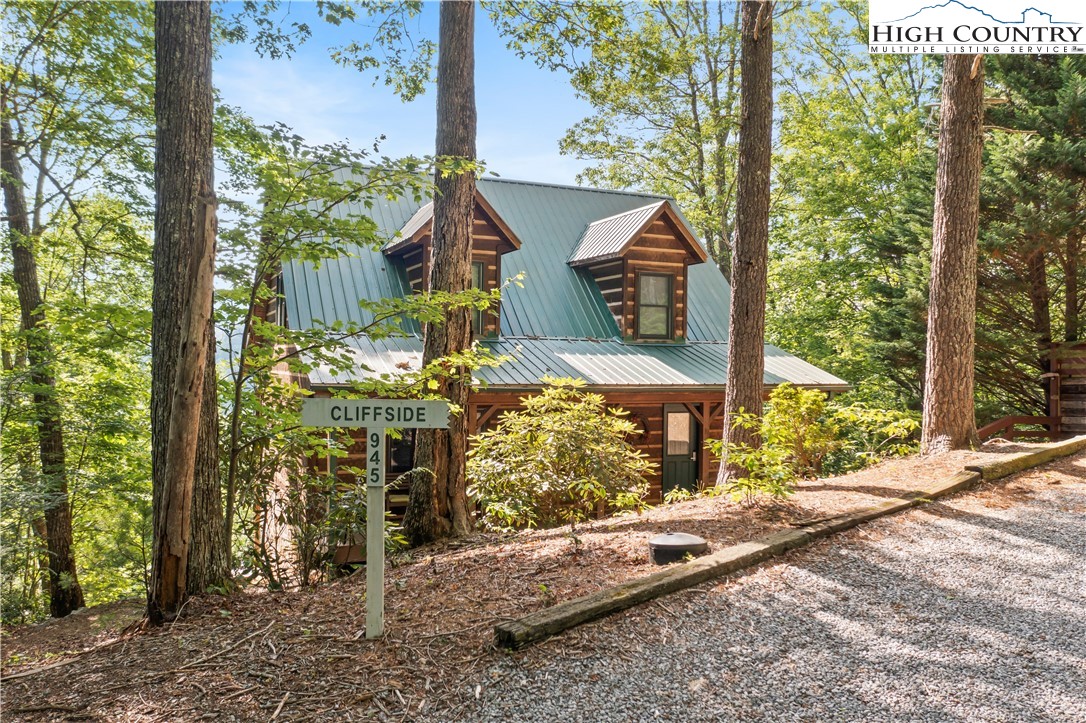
{"type": "Point", "coordinates": [953, 26]}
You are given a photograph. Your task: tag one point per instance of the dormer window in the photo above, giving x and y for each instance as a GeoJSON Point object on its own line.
{"type": "Point", "coordinates": [491, 238]}
{"type": "Point", "coordinates": [640, 261]}
{"type": "Point", "coordinates": [655, 306]}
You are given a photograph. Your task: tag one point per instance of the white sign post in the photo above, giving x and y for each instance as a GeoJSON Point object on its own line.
{"type": "Point", "coordinates": [375, 532]}
{"type": "Point", "coordinates": [376, 415]}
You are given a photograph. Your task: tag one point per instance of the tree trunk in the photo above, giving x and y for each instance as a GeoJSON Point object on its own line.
{"type": "Point", "coordinates": [746, 330]}
{"type": "Point", "coordinates": [1072, 317]}
{"type": "Point", "coordinates": [948, 396]}
{"type": "Point", "coordinates": [186, 503]}
{"type": "Point", "coordinates": [441, 451]}
{"type": "Point", "coordinates": [420, 503]}
{"type": "Point", "coordinates": [1040, 299]}
{"type": "Point", "coordinates": [65, 595]}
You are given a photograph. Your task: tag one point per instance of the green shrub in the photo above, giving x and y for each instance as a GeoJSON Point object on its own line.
{"type": "Point", "coordinates": [803, 436]}
{"type": "Point", "coordinates": [769, 466]}
{"type": "Point", "coordinates": [868, 435]}
{"type": "Point", "coordinates": [346, 517]}
{"type": "Point", "coordinates": [678, 494]}
{"type": "Point", "coordinates": [559, 459]}
{"type": "Point", "coordinates": [796, 422]}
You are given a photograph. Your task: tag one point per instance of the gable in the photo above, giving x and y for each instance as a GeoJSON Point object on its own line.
{"type": "Point", "coordinates": [651, 244]}
{"type": "Point", "coordinates": [653, 226]}
{"type": "Point", "coordinates": [488, 227]}
{"type": "Point", "coordinates": [489, 241]}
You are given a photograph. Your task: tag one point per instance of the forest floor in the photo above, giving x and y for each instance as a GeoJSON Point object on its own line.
{"type": "Point", "coordinates": [302, 655]}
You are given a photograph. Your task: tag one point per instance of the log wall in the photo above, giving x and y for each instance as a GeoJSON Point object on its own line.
{"type": "Point", "coordinates": [489, 242]}
{"type": "Point", "coordinates": [647, 409]}
{"type": "Point", "coordinates": [658, 250]}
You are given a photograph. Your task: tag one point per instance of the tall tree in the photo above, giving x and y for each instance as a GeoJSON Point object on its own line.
{"type": "Point", "coordinates": [853, 171]}
{"type": "Point", "coordinates": [948, 380]}
{"type": "Point", "coordinates": [750, 251]}
{"type": "Point", "coordinates": [1033, 222]}
{"type": "Point", "coordinates": [65, 595]}
{"type": "Point", "coordinates": [73, 103]}
{"type": "Point", "coordinates": [186, 493]}
{"type": "Point", "coordinates": [439, 505]}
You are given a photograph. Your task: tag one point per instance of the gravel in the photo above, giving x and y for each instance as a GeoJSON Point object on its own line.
{"type": "Point", "coordinates": [958, 611]}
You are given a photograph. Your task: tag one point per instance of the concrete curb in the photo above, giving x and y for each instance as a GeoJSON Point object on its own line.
{"type": "Point", "coordinates": [549, 621]}
{"type": "Point", "coordinates": [1025, 460]}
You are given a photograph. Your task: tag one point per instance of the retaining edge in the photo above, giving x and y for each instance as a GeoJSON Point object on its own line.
{"type": "Point", "coordinates": [549, 621]}
{"type": "Point", "coordinates": [1025, 460]}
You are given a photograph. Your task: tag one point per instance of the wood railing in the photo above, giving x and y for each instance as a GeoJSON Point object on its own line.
{"type": "Point", "coordinates": [1006, 428]}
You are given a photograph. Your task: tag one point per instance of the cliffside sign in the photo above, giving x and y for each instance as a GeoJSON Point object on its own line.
{"type": "Point", "coordinates": [375, 415]}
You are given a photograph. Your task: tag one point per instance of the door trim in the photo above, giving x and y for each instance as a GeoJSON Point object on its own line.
{"type": "Point", "coordinates": [695, 445]}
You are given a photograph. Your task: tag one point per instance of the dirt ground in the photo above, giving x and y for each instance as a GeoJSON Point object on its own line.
{"type": "Point", "coordinates": [302, 655]}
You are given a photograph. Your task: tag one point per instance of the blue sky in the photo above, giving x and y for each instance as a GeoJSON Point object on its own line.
{"type": "Point", "coordinates": [523, 111]}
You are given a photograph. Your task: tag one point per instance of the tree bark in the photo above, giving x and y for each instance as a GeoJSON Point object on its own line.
{"type": "Point", "coordinates": [184, 238]}
{"type": "Point", "coordinates": [746, 321]}
{"type": "Point", "coordinates": [65, 595]}
{"type": "Point", "coordinates": [1072, 309]}
{"type": "Point", "coordinates": [1039, 300]}
{"type": "Point", "coordinates": [948, 396]}
{"type": "Point", "coordinates": [444, 452]}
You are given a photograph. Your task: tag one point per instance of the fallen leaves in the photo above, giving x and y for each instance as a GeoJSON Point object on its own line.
{"type": "Point", "coordinates": [302, 656]}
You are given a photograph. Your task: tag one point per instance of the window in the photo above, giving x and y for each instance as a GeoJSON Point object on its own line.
{"type": "Point", "coordinates": [277, 303]}
{"type": "Point", "coordinates": [680, 440]}
{"type": "Point", "coordinates": [477, 268]}
{"type": "Point", "coordinates": [401, 452]}
{"type": "Point", "coordinates": [654, 306]}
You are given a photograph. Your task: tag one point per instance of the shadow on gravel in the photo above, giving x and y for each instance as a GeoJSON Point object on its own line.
{"type": "Point", "coordinates": [1028, 534]}
{"type": "Point", "coordinates": [945, 616]}
{"type": "Point", "coordinates": [973, 620]}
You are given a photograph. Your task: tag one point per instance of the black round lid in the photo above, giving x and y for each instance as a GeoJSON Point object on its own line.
{"type": "Point", "coordinates": [676, 541]}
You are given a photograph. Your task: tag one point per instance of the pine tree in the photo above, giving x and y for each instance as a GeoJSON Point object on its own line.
{"type": "Point", "coordinates": [746, 330]}
{"type": "Point", "coordinates": [439, 504]}
{"type": "Point", "coordinates": [948, 379]}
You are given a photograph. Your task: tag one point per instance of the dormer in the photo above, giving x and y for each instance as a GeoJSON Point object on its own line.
{"type": "Point", "coordinates": [639, 260]}
{"type": "Point", "coordinates": [491, 238]}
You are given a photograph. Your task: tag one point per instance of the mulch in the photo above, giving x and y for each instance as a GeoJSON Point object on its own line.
{"type": "Point", "coordinates": [302, 655]}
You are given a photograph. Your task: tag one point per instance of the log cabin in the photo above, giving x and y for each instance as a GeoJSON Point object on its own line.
{"type": "Point", "coordinates": [617, 291]}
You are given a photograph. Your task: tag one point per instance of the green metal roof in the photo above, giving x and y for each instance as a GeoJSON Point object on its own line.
{"type": "Point", "coordinates": [554, 323]}
{"type": "Point", "coordinates": [423, 216]}
{"type": "Point", "coordinates": [606, 238]}
{"type": "Point", "coordinates": [601, 363]}
{"type": "Point", "coordinates": [555, 301]}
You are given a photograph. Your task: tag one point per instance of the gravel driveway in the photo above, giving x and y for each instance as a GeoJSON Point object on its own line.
{"type": "Point", "coordinates": [972, 609]}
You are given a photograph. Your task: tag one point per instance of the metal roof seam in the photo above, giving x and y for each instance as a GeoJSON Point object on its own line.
{"type": "Point", "coordinates": [568, 187]}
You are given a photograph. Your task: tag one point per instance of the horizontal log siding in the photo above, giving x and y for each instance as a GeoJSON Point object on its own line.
{"type": "Point", "coordinates": [415, 262]}
{"type": "Point", "coordinates": [651, 443]}
{"type": "Point", "coordinates": [716, 431]}
{"type": "Point", "coordinates": [396, 493]}
{"type": "Point", "coordinates": [658, 250]}
{"type": "Point", "coordinates": [651, 415]}
{"type": "Point", "coordinates": [488, 250]}
{"type": "Point", "coordinates": [491, 404]}
{"type": "Point", "coordinates": [488, 244]}
{"type": "Point", "coordinates": [609, 277]}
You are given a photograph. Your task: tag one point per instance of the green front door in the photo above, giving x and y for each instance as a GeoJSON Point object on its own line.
{"type": "Point", "coordinates": [680, 449]}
